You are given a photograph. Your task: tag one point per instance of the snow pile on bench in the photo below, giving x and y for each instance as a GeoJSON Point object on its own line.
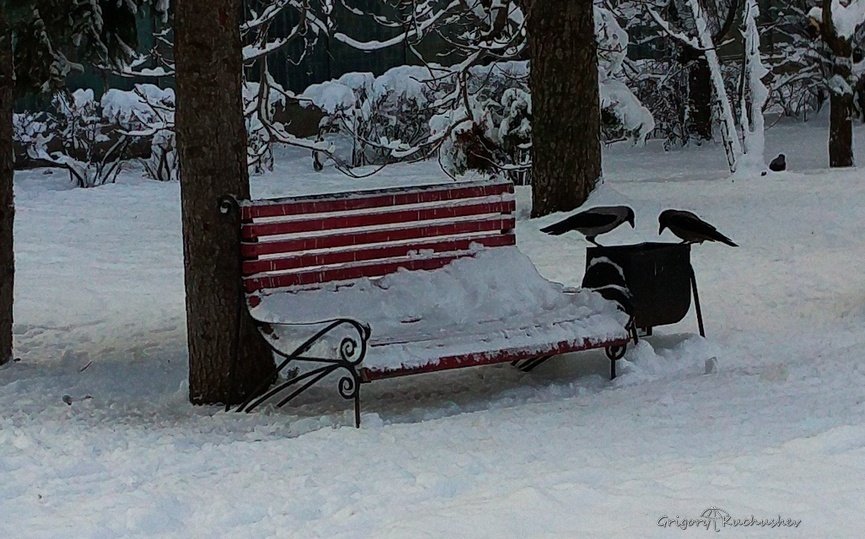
{"type": "Point", "coordinates": [492, 300]}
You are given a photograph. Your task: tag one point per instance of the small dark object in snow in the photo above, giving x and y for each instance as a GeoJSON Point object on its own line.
{"type": "Point", "coordinates": [593, 222]}
{"type": "Point", "coordinates": [690, 228]}
{"type": "Point", "coordinates": [779, 164]}
{"type": "Point", "coordinates": [69, 400]}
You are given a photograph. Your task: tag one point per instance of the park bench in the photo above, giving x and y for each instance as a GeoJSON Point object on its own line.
{"type": "Point", "coordinates": [385, 283]}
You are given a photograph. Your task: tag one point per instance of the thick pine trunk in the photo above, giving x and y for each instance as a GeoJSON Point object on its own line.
{"type": "Point", "coordinates": [225, 363]}
{"type": "Point", "coordinates": [566, 148]}
{"type": "Point", "coordinates": [7, 207]}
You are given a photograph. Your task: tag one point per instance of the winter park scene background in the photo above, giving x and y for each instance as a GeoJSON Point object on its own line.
{"type": "Point", "coordinates": [126, 340]}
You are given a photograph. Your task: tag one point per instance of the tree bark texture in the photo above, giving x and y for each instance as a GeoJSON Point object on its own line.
{"type": "Point", "coordinates": [7, 205]}
{"type": "Point", "coordinates": [841, 111]}
{"type": "Point", "coordinates": [227, 357]}
{"type": "Point", "coordinates": [699, 124]}
{"type": "Point", "coordinates": [566, 148]}
{"type": "Point", "coordinates": [841, 93]}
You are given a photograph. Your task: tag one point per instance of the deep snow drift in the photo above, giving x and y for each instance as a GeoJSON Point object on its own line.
{"type": "Point", "coordinates": [764, 418]}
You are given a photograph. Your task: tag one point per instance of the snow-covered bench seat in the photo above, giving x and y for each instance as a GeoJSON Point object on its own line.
{"type": "Point", "coordinates": [386, 283]}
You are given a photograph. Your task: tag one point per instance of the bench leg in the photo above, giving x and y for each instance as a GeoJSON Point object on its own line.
{"type": "Point", "coordinates": [357, 408]}
{"type": "Point", "coordinates": [615, 353]}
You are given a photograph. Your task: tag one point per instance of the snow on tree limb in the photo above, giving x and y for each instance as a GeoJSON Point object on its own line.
{"type": "Point", "coordinates": [668, 28]}
{"type": "Point", "coordinates": [751, 117]}
{"type": "Point", "coordinates": [847, 17]}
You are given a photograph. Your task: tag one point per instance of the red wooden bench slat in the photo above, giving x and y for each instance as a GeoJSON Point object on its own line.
{"type": "Point", "coordinates": [347, 273]}
{"type": "Point", "coordinates": [491, 357]}
{"type": "Point", "coordinates": [369, 199]}
{"type": "Point", "coordinates": [325, 258]}
{"type": "Point", "coordinates": [344, 239]}
{"type": "Point", "coordinates": [258, 230]}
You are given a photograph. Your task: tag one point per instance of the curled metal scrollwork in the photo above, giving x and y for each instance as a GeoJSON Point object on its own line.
{"type": "Point", "coordinates": [616, 352]}
{"type": "Point", "coordinates": [349, 386]}
{"type": "Point", "coordinates": [228, 204]}
{"type": "Point", "coordinates": [351, 352]}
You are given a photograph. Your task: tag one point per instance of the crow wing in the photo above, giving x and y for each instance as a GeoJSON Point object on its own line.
{"type": "Point", "coordinates": [581, 221]}
{"type": "Point", "coordinates": [697, 226]}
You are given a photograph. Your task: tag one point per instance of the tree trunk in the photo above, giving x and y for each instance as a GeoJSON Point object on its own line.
{"type": "Point", "coordinates": [7, 207]}
{"type": "Point", "coordinates": [841, 110]}
{"type": "Point", "coordinates": [699, 123]}
{"type": "Point", "coordinates": [566, 148]}
{"type": "Point", "coordinates": [841, 93]}
{"type": "Point", "coordinates": [227, 357]}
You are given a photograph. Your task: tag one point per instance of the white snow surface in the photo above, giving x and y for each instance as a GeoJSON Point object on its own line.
{"type": "Point", "coordinates": [763, 418]}
{"type": "Point", "coordinates": [848, 17]}
{"type": "Point", "coordinates": [493, 300]}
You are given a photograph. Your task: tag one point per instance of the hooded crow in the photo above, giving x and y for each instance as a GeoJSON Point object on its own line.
{"type": "Point", "coordinates": [593, 222]}
{"type": "Point", "coordinates": [690, 228]}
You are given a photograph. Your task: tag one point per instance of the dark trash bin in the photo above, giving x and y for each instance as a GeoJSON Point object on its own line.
{"type": "Point", "coordinates": [657, 275]}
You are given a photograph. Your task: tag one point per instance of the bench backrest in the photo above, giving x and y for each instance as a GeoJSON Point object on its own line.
{"type": "Point", "coordinates": [310, 240]}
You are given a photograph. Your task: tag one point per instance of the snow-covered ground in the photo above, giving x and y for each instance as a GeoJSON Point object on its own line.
{"type": "Point", "coordinates": [764, 418]}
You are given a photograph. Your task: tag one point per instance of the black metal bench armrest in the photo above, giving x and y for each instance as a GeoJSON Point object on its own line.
{"type": "Point", "coordinates": [362, 328]}
{"type": "Point", "coordinates": [349, 355]}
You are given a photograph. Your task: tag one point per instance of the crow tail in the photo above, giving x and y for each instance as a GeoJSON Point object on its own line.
{"type": "Point", "coordinates": [556, 229]}
{"type": "Point", "coordinates": [724, 239]}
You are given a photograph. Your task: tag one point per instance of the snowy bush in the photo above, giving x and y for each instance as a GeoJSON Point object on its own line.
{"type": "Point", "coordinates": [372, 116]}
{"type": "Point", "coordinates": [88, 153]}
{"type": "Point", "coordinates": [486, 125]}
{"type": "Point", "coordinates": [90, 138]}
{"type": "Point", "coordinates": [31, 131]}
{"type": "Point", "coordinates": [494, 134]}
{"type": "Point", "coordinates": [163, 163]}
{"type": "Point", "coordinates": [147, 113]}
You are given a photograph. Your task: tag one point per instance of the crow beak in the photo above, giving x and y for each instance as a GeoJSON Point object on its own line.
{"type": "Point", "coordinates": [631, 222]}
{"type": "Point", "coordinates": [661, 230]}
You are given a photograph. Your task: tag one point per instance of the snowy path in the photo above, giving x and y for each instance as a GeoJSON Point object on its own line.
{"type": "Point", "coordinates": [490, 452]}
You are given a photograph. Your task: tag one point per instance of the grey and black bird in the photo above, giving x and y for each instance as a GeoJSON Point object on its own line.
{"type": "Point", "coordinates": [690, 228]}
{"type": "Point", "coordinates": [779, 164]}
{"type": "Point", "coordinates": [593, 222]}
